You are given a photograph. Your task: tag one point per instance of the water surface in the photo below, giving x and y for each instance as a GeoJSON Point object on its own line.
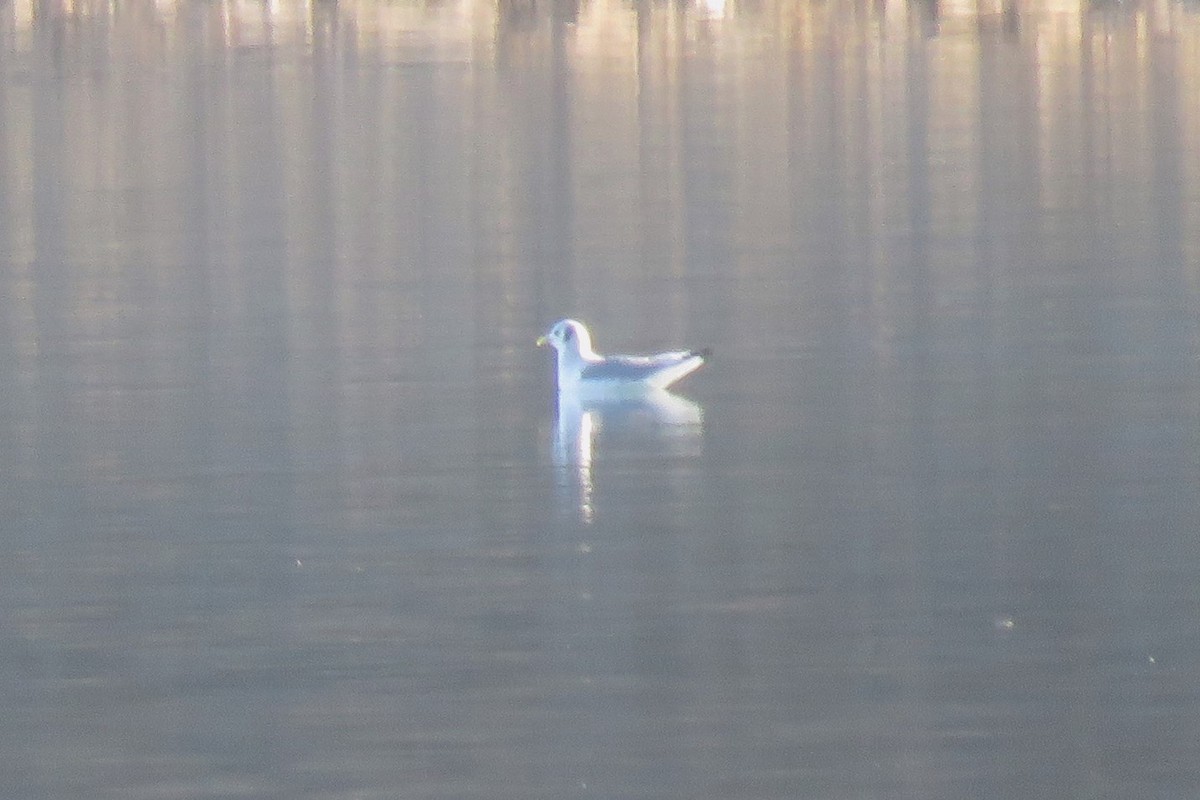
{"type": "Point", "coordinates": [289, 508]}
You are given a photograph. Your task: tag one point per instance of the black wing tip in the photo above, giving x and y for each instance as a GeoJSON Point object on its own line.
{"type": "Point", "coordinates": [705, 353]}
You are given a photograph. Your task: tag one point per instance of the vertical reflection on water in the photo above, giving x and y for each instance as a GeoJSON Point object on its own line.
{"type": "Point", "coordinates": [663, 424]}
{"type": "Point", "coordinates": [573, 439]}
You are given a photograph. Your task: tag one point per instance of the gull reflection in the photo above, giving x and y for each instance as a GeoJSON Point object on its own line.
{"type": "Point", "coordinates": [667, 420]}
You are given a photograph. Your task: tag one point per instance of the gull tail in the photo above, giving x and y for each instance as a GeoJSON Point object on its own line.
{"type": "Point", "coordinates": [689, 363]}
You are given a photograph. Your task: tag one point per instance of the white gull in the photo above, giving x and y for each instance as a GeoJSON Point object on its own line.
{"type": "Point", "coordinates": [580, 368]}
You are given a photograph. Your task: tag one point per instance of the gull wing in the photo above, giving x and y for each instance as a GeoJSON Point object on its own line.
{"type": "Point", "coordinates": [658, 371]}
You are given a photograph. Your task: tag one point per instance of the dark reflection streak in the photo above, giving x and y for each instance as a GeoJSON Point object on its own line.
{"type": "Point", "coordinates": [828, 245]}
{"type": "Point", "coordinates": [547, 152]}
{"type": "Point", "coordinates": [559, 208]}
{"type": "Point", "coordinates": [1096, 237]}
{"type": "Point", "coordinates": [559, 202]}
{"type": "Point", "coordinates": [998, 135]}
{"type": "Point", "coordinates": [199, 192]}
{"type": "Point", "coordinates": [419, 101]}
{"type": "Point", "coordinates": [58, 495]}
{"type": "Point", "coordinates": [932, 17]}
{"type": "Point", "coordinates": [1011, 15]}
{"type": "Point", "coordinates": [657, 128]}
{"type": "Point", "coordinates": [645, 116]}
{"type": "Point", "coordinates": [706, 153]}
{"type": "Point", "coordinates": [1176, 329]}
{"type": "Point", "coordinates": [255, 541]}
{"type": "Point", "coordinates": [1168, 172]}
{"type": "Point", "coordinates": [318, 250]}
{"type": "Point", "coordinates": [927, 475]}
{"type": "Point", "coordinates": [10, 198]}
{"type": "Point", "coordinates": [993, 218]}
{"type": "Point", "coordinates": [841, 152]}
{"type": "Point", "coordinates": [554, 265]}
{"type": "Point", "coordinates": [829, 134]}
{"type": "Point", "coordinates": [543, 149]}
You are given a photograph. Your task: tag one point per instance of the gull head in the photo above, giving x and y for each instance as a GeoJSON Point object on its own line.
{"type": "Point", "coordinates": [571, 339]}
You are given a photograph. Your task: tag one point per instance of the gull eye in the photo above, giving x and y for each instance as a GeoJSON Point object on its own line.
{"type": "Point", "coordinates": [567, 334]}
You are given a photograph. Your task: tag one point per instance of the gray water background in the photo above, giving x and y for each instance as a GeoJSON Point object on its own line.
{"type": "Point", "coordinates": [287, 509]}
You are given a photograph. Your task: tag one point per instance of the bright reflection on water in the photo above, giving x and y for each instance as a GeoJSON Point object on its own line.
{"type": "Point", "coordinates": [288, 509]}
{"type": "Point", "coordinates": [660, 422]}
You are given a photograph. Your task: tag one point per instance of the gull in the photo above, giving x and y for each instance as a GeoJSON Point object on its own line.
{"type": "Point", "coordinates": [580, 368]}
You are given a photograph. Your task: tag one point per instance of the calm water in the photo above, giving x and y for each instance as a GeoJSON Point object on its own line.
{"type": "Point", "coordinates": [288, 510]}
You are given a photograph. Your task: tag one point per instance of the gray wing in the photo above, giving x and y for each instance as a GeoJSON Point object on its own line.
{"type": "Point", "coordinates": [626, 368]}
{"type": "Point", "coordinates": [668, 366]}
